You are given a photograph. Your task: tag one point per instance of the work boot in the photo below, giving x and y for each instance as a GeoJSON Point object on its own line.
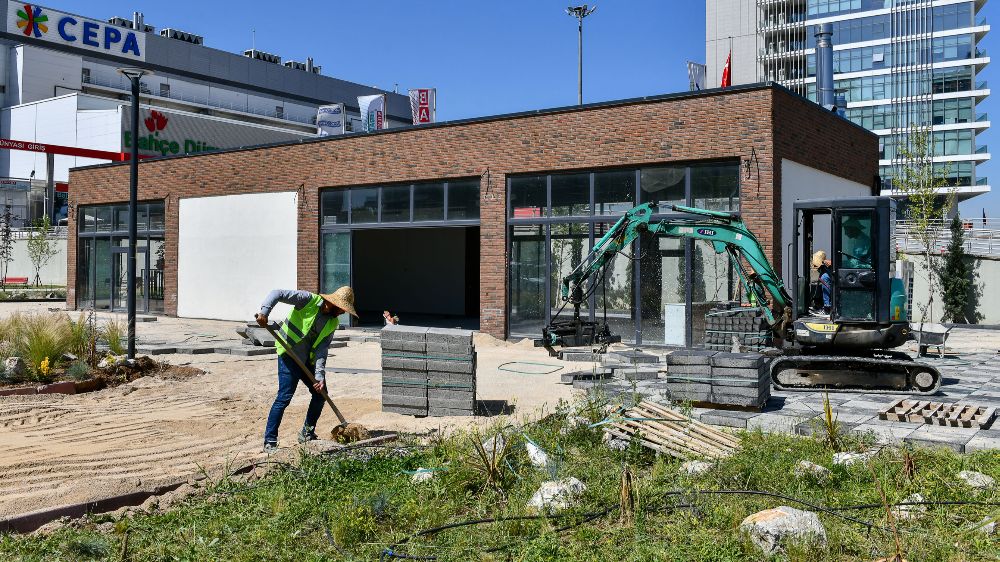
{"type": "Point", "coordinates": [307, 434]}
{"type": "Point", "coordinates": [270, 447]}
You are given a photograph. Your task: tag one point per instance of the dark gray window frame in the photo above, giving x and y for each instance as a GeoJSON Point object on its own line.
{"type": "Point", "coordinates": [593, 220]}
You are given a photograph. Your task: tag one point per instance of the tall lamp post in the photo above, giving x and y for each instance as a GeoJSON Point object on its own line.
{"type": "Point", "coordinates": [133, 74]}
{"type": "Point", "coordinates": [580, 12]}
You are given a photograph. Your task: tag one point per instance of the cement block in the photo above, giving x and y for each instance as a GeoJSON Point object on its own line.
{"type": "Point", "coordinates": [449, 336]}
{"type": "Point", "coordinates": [398, 332]}
{"type": "Point", "coordinates": [196, 349]}
{"type": "Point", "coordinates": [458, 366]}
{"type": "Point", "coordinates": [691, 357]}
{"type": "Point", "coordinates": [404, 346]}
{"type": "Point", "coordinates": [403, 375]}
{"type": "Point", "coordinates": [634, 357]}
{"type": "Point", "coordinates": [418, 411]}
{"type": "Point", "coordinates": [404, 400]}
{"type": "Point", "coordinates": [451, 403]}
{"type": "Point", "coordinates": [739, 360]}
{"type": "Point", "coordinates": [634, 374]}
{"type": "Point", "coordinates": [442, 412]}
{"type": "Point", "coordinates": [337, 344]}
{"type": "Point", "coordinates": [724, 418]}
{"type": "Point", "coordinates": [953, 438]}
{"type": "Point", "coordinates": [741, 392]}
{"type": "Point", "coordinates": [157, 349]}
{"type": "Point", "coordinates": [690, 395]}
{"type": "Point", "coordinates": [689, 370]}
{"type": "Point", "coordinates": [579, 356]}
{"type": "Point", "coordinates": [585, 375]}
{"type": "Point", "coordinates": [437, 347]}
{"type": "Point", "coordinates": [251, 351]}
{"type": "Point", "coordinates": [450, 394]}
{"type": "Point", "coordinates": [403, 363]}
{"type": "Point", "coordinates": [446, 377]}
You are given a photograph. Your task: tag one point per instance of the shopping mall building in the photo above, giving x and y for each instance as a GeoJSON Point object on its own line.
{"type": "Point", "coordinates": [59, 86]}
{"type": "Point", "coordinates": [469, 222]}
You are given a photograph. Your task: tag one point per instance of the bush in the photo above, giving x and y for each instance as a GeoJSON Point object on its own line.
{"type": "Point", "coordinates": [78, 371]}
{"type": "Point", "coordinates": [113, 334]}
{"type": "Point", "coordinates": [36, 338]}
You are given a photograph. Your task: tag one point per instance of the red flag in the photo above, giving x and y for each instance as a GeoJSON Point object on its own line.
{"type": "Point", "coordinates": [727, 78]}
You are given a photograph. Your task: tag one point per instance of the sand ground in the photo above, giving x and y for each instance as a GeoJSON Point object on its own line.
{"type": "Point", "coordinates": [57, 449]}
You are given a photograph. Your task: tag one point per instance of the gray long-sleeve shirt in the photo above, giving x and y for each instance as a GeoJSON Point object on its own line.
{"type": "Point", "coordinates": [299, 299]}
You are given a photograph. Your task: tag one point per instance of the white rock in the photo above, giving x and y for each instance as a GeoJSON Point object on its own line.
{"type": "Point", "coordinates": [810, 469]}
{"type": "Point", "coordinates": [496, 443]}
{"type": "Point", "coordinates": [111, 361]}
{"type": "Point", "coordinates": [536, 455]}
{"type": "Point", "coordinates": [554, 495]}
{"type": "Point", "coordinates": [770, 528]}
{"type": "Point", "coordinates": [422, 475]}
{"type": "Point", "coordinates": [14, 367]}
{"type": "Point", "coordinates": [976, 480]}
{"type": "Point", "coordinates": [615, 443]}
{"type": "Point", "coordinates": [695, 468]}
{"type": "Point", "coordinates": [847, 459]}
{"type": "Point", "coordinates": [909, 512]}
{"type": "Point", "coordinates": [988, 525]}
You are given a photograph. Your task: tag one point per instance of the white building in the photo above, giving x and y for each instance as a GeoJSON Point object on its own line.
{"type": "Point", "coordinates": [899, 64]}
{"type": "Point", "coordinates": [60, 87]}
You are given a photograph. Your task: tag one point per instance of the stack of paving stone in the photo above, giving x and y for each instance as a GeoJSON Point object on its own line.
{"type": "Point", "coordinates": [724, 379]}
{"type": "Point", "coordinates": [747, 325]}
{"type": "Point", "coordinates": [632, 364]}
{"type": "Point", "coordinates": [428, 371]}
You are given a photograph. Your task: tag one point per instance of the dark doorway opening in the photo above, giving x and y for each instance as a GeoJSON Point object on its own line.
{"type": "Point", "coordinates": [426, 276]}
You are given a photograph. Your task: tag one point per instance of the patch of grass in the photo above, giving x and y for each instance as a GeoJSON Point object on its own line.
{"type": "Point", "coordinates": [36, 338]}
{"type": "Point", "coordinates": [113, 333]}
{"type": "Point", "coordinates": [367, 504]}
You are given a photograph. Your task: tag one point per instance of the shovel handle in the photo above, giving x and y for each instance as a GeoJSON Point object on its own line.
{"type": "Point", "coordinates": [308, 373]}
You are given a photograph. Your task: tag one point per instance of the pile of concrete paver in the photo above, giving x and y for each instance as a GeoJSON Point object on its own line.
{"type": "Point", "coordinates": [428, 371]}
{"type": "Point", "coordinates": [731, 379]}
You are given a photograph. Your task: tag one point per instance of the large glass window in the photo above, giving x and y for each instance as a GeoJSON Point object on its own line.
{"type": "Point", "coordinates": [571, 195]}
{"type": "Point", "coordinates": [570, 244]}
{"type": "Point", "coordinates": [428, 202]}
{"type": "Point", "coordinates": [396, 203]}
{"type": "Point", "coordinates": [463, 200]}
{"type": "Point", "coordinates": [716, 186]}
{"type": "Point", "coordinates": [335, 206]}
{"type": "Point", "coordinates": [364, 205]}
{"type": "Point", "coordinates": [665, 186]}
{"type": "Point", "coordinates": [528, 197]}
{"type": "Point", "coordinates": [528, 266]}
{"type": "Point", "coordinates": [614, 192]}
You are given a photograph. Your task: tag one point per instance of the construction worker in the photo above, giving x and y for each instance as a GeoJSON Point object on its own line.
{"type": "Point", "coordinates": [308, 329]}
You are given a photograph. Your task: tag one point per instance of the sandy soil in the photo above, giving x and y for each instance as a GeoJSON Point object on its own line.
{"type": "Point", "coordinates": [57, 450]}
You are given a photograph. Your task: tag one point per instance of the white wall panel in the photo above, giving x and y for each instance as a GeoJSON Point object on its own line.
{"type": "Point", "coordinates": [802, 182]}
{"type": "Point", "coordinates": [232, 250]}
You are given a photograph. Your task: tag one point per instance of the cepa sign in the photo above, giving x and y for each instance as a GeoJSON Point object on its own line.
{"type": "Point", "coordinates": [36, 22]}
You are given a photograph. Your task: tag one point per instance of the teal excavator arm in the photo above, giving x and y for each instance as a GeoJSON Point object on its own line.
{"type": "Point", "coordinates": [727, 233]}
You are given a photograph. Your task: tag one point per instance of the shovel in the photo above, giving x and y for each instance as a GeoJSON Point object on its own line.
{"type": "Point", "coordinates": [357, 431]}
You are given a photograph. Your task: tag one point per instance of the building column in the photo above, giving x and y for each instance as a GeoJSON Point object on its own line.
{"type": "Point", "coordinates": [493, 266]}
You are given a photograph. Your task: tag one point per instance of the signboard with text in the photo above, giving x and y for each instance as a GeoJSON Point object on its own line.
{"type": "Point", "coordinates": [45, 24]}
{"type": "Point", "coordinates": [330, 119]}
{"type": "Point", "coordinates": [423, 105]}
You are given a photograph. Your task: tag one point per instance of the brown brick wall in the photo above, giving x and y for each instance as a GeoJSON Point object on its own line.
{"type": "Point", "coordinates": [713, 125]}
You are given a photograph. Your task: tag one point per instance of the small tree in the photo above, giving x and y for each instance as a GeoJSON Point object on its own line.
{"type": "Point", "coordinates": [41, 248]}
{"type": "Point", "coordinates": [6, 244]}
{"type": "Point", "coordinates": [928, 201]}
{"type": "Point", "coordinates": [955, 275]}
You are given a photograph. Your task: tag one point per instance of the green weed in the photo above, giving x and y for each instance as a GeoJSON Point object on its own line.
{"type": "Point", "coordinates": [113, 333]}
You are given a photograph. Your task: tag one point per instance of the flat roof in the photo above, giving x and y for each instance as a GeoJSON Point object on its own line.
{"type": "Point", "coordinates": [501, 117]}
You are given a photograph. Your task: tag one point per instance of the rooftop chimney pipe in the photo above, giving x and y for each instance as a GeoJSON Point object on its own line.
{"type": "Point", "coordinates": [137, 23]}
{"type": "Point", "coordinates": [824, 65]}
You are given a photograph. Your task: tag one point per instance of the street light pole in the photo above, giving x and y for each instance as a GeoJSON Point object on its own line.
{"type": "Point", "coordinates": [133, 74]}
{"type": "Point", "coordinates": [580, 12]}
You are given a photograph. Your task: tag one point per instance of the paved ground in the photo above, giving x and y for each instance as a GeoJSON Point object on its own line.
{"type": "Point", "coordinates": [971, 375]}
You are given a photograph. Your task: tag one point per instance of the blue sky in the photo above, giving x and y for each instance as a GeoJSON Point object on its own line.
{"type": "Point", "coordinates": [485, 58]}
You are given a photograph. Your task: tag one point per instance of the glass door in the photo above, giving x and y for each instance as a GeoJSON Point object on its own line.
{"type": "Point", "coordinates": [336, 265]}
{"type": "Point", "coordinates": [120, 275]}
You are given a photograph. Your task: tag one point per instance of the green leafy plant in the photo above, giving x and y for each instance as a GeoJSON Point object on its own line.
{"type": "Point", "coordinates": [113, 333]}
{"type": "Point", "coordinates": [78, 371]}
{"type": "Point", "coordinates": [828, 428]}
{"type": "Point", "coordinates": [955, 275]}
{"type": "Point", "coordinates": [40, 247]}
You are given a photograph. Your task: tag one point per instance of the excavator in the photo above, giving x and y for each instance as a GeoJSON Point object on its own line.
{"type": "Point", "coordinates": [846, 347]}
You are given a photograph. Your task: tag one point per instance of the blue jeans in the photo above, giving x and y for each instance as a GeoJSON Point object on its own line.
{"type": "Point", "coordinates": [827, 284]}
{"type": "Point", "coordinates": [289, 375]}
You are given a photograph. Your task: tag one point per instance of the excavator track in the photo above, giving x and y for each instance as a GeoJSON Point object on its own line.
{"type": "Point", "coordinates": [870, 375]}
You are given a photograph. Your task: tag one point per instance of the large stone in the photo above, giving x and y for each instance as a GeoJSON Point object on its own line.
{"type": "Point", "coordinates": [554, 495]}
{"type": "Point", "coordinates": [976, 480]}
{"type": "Point", "coordinates": [696, 468]}
{"type": "Point", "coordinates": [14, 368]}
{"type": "Point", "coordinates": [848, 458]}
{"type": "Point", "coordinates": [807, 469]}
{"type": "Point", "coordinates": [536, 455]}
{"type": "Point", "coordinates": [111, 361]}
{"type": "Point", "coordinates": [771, 528]}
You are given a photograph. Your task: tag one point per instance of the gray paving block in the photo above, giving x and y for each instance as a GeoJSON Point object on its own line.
{"type": "Point", "coordinates": [953, 438]}
{"type": "Point", "coordinates": [724, 418]}
{"type": "Point", "coordinates": [419, 411]}
{"type": "Point", "coordinates": [634, 357]}
{"type": "Point", "coordinates": [444, 377]}
{"type": "Point", "coordinates": [156, 349]}
{"type": "Point", "coordinates": [404, 400]}
{"type": "Point", "coordinates": [195, 349]}
{"type": "Point", "coordinates": [579, 356]}
{"type": "Point", "coordinates": [337, 344]}
{"type": "Point", "coordinates": [403, 363]}
{"type": "Point", "coordinates": [585, 375]}
{"type": "Point", "coordinates": [442, 412]}
{"type": "Point", "coordinates": [690, 395]}
{"type": "Point", "coordinates": [437, 347]}
{"type": "Point", "coordinates": [984, 440]}
{"type": "Point", "coordinates": [452, 403]}
{"type": "Point", "coordinates": [449, 335]}
{"type": "Point", "coordinates": [251, 351]}
{"type": "Point", "coordinates": [398, 332]}
{"type": "Point", "coordinates": [458, 366]}
{"type": "Point", "coordinates": [451, 393]}
{"type": "Point", "coordinates": [403, 388]}
{"type": "Point", "coordinates": [691, 357]}
{"type": "Point", "coordinates": [739, 360]}
{"type": "Point", "coordinates": [403, 346]}
{"type": "Point", "coordinates": [634, 374]}
{"type": "Point", "coordinates": [689, 370]}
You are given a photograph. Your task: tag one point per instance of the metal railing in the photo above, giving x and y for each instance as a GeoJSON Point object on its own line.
{"type": "Point", "coordinates": [981, 237]}
{"type": "Point", "coordinates": [97, 81]}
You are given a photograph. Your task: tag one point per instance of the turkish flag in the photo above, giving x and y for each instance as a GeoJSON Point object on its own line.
{"type": "Point", "coordinates": [727, 77]}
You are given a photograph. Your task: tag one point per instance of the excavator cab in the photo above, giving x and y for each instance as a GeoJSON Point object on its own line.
{"type": "Point", "coordinates": [853, 298]}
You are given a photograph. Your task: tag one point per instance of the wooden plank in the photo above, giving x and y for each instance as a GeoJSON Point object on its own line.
{"type": "Point", "coordinates": [645, 442]}
{"type": "Point", "coordinates": [953, 418]}
{"type": "Point", "coordinates": [701, 428]}
{"type": "Point", "coordinates": [671, 437]}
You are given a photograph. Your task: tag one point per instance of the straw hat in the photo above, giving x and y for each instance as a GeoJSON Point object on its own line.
{"type": "Point", "coordinates": [342, 298]}
{"type": "Point", "coordinates": [818, 258]}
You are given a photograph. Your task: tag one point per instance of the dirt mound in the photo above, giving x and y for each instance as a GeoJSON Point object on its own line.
{"type": "Point", "coordinates": [178, 372]}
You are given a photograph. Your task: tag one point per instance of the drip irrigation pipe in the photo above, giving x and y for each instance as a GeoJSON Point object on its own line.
{"type": "Point", "coordinates": [557, 368]}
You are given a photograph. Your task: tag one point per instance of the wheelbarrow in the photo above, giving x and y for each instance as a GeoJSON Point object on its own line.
{"type": "Point", "coordinates": [929, 334]}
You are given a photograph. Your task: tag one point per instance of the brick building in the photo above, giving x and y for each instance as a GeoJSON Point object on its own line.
{"type": "Point", "coordinates": [469, 222]}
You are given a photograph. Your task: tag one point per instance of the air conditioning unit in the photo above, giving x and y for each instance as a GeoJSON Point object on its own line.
{"type": "Point", "coordinates": [182, 36]}
{"type": "Point", "coordinates": [261, 55]}
{"type": "Point", "coordinates": [123, 22]}
{"type": "Point", "coordinates": [307, 66]}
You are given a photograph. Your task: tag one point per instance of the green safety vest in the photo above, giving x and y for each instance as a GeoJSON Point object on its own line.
{"type": "Point", "coordinates": [299, 324]}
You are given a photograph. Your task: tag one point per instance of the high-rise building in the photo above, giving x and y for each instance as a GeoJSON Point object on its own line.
{"type": "Point", "coordinates": [901, 64]}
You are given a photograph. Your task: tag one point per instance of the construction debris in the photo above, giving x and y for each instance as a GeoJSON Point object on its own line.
{"type": "Point", "coordinates": [554, 495]}
{"type": "Point", "coordinates": [976, 480]}
{"type": "Point", "coordinates": [938, 413]}
{"type": "Point", "coordinates": [909, 512]}
{"type": "Point", "coordinates": [847, 458]}
{"type": "Point", "coordinates": [770, 528]}
{"type": "Point", "coordinates": [666, 431]}
{"type": "Point", "coordinates": [696, 468]}
{"type": "Point", "coordinates": [807, 469]}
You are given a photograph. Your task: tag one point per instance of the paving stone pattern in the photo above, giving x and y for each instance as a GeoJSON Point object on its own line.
{"type": "Point", "coordinates": [972, 379]}
{"type": "Point", "coordinates": [428, 371]}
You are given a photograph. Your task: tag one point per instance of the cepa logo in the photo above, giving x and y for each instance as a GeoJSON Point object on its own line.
{"type": "Point", "coordinates": [156, 121]}
{"type": "Point", "coordinates": [32, 21]}
{"type": "Point", "coordinates": [706, 231]}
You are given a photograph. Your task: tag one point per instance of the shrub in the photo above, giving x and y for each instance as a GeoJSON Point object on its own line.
{"type": "Point", "coordinates": [113, 333]}
{"type": "Point", "coordinates": [78, 371]}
